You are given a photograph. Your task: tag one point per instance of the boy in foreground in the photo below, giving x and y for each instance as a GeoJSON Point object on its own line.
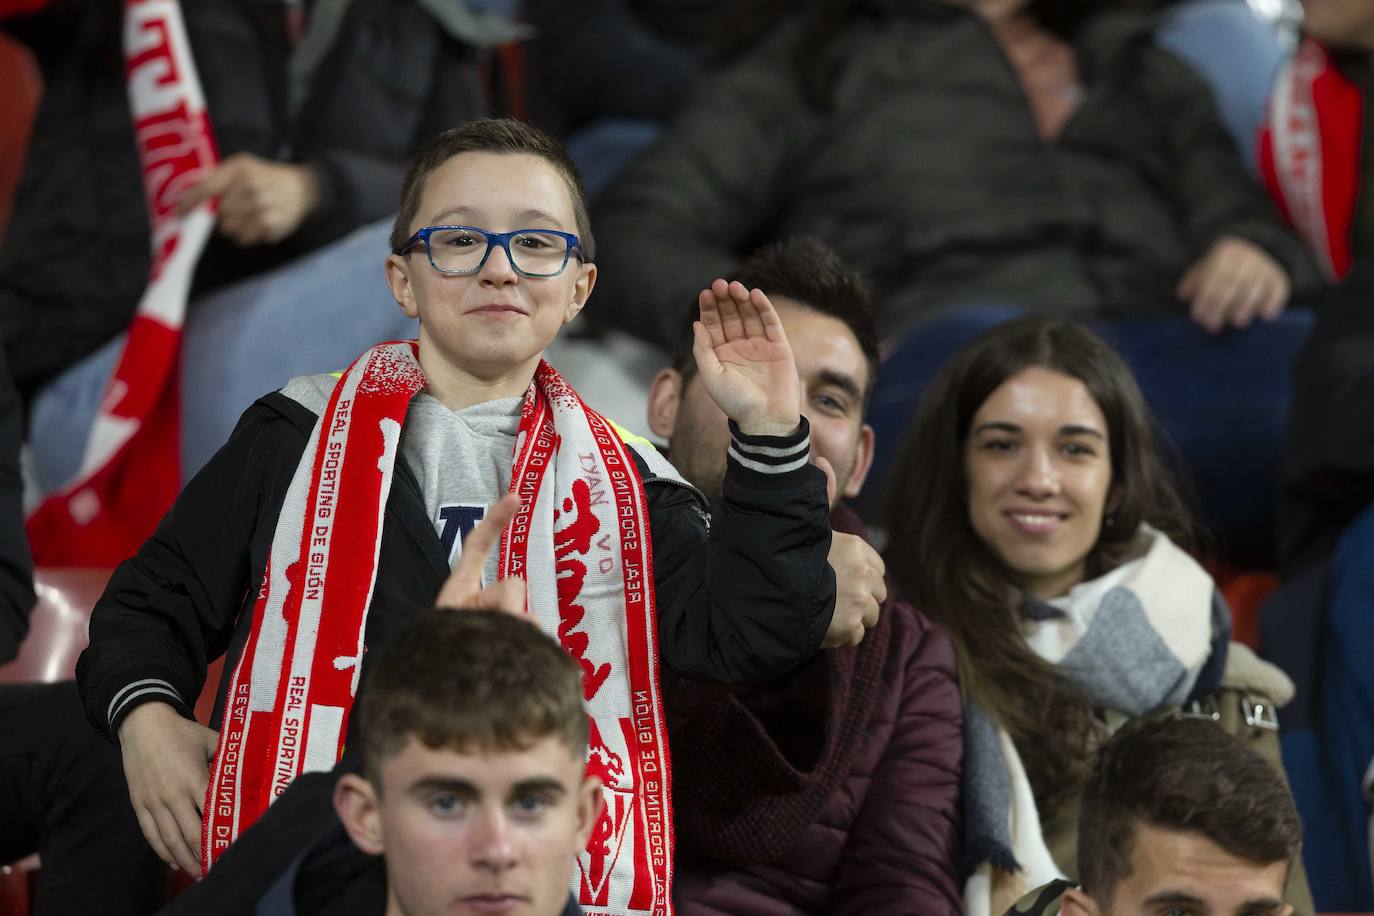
{"type": "Point", "coordinates": [474, 790]}
{"type": "Point", "coordinates": [337, 496]}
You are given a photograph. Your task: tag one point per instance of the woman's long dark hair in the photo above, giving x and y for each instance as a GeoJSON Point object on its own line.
{"type": "Point", "coordinates": [941, 564]}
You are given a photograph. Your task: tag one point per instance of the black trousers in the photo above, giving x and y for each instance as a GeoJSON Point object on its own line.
{"type": "Point", "coordinates": [63, 795]}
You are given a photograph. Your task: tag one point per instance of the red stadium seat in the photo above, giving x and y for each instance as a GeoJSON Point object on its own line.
{"type": "Point", "coordinates": [1245, 591]}
{"type": "Point", "coordinates": [57, 628]}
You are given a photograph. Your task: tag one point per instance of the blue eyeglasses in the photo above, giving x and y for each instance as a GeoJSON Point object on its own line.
{"type": "Point", "coordinates": [465, 249]}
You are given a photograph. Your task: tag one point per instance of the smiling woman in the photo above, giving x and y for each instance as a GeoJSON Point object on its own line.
{"type": "Point", "coordinates": [1038, 471]}
{"type": "Point", "coordinates": [1034, 519]}
{"type": "Point", "coordinates": [999, 497]}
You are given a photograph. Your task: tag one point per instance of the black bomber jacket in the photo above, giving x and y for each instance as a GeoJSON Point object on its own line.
{"type": "Point", "coordinates": [742, 599]}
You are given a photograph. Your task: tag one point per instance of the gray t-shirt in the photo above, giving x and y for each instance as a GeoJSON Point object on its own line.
{"type": "Point", "coordinates": [461, 458]}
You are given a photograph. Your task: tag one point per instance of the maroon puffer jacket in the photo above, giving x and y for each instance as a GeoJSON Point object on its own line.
{"type": "Point", "coordinates": [835, 790]}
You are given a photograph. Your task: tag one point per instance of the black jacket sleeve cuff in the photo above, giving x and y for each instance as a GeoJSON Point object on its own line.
{"type": "Point", "coordinates": [765, 459]}
{"type": "Point", "coordinates": [108, 703]}
{"type": "Point", "coordinates": [145, 691]}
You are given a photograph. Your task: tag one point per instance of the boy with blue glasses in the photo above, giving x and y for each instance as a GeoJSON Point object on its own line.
{"type": "Point", "coordinates": [334, 512]}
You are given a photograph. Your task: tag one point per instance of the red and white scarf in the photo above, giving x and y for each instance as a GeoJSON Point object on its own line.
{"type": "Point", "coordinates": [1309, 153]}
{"type": "Point", "coordinates": [581, 542]}
{"type": "Point", "coordinates": [131, 470]}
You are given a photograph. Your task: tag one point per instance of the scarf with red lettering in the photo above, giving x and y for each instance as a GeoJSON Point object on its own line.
{"type": "Point", "coordinates": [131, 470]}
{"type": "Point", "coordinates": [581, 542]}
{"type": "Point", "coordinates": [1309, 153]}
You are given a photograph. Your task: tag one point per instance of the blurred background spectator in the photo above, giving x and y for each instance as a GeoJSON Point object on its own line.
{"type": "Point", "coordinates": [1317, 625]}
{"type": "Point", "coordinates": [1038, 154]}
{"type": "Point", "coordinates": [1314, 150]}
{"type": "Point", "coordinates": [315, 109]}
{"type": "Point", "coordinates": [1315, 153]}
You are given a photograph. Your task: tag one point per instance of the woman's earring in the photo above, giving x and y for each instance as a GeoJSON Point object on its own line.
{"type": "Point", "coordinates": [1109, 521]}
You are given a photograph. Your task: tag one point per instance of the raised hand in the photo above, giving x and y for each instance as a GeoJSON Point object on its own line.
{"type": "Point", "coordinates": [464, 590]}
{"type": "Point", "coordinates": [745, 360]}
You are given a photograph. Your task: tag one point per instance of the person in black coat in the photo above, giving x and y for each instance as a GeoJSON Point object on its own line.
{"type": "Point", "coordinates": [62, 789]}
{"type": "Point", "coordinates": [957, 154]}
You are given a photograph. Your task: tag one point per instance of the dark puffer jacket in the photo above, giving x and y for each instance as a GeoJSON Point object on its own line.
{"type": "Point", "coordinates": [777, 817]}
{"type": "Point", "coordinates": [928, 174]}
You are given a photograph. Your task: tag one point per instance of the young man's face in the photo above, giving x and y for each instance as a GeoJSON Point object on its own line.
{"type": "Point", "coordinates": [494, 323]}
{"type": "Point", "coordinates": [475, 833]}
{"type": "Point", "coordinates": [1175, 873]}
{"type": "Point", "coordinates": [834, 376]}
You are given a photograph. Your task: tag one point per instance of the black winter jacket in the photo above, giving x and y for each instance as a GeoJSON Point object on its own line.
{"type": "Point", "coordinates": [925, 171]}
{"type": "Point", "coordinates": [747, 603]}
{"type": "Point", "coordinates": [75, 259]}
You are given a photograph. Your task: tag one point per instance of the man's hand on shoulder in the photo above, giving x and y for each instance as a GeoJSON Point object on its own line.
{"type": "Point", "coordinates": [167, 765]}
{"type": "Point", "coordinates": [859, 590]}
{"type": "Point", "coordinates": [745, 360]}
{"type": "Point", "coordinates": [860, 586]}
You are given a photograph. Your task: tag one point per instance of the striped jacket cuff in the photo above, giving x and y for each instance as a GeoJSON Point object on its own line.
{"type": "Point", "coordinates": [140, 691]}
{"type": "Point", "coordinates": [771, 454]}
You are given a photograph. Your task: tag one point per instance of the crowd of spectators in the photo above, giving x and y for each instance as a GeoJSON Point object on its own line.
{"type": "Point", "coordinates": [927, 558]}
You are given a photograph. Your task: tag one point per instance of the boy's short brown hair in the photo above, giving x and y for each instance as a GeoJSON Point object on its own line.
{"type": "Point", "coordinates": [491, 135]}
{"type": "Point", "coordinates": [470, 680]}
{"type": "Point", "coordinates": [1183, 774]}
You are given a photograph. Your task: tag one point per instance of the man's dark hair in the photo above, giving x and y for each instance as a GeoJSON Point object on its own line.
{"type": "Point", "coordinates": [1183, 774]}
{"type": "Point", "coordinates": [491, 135]}
{"type": "Point", "coordinates": [810, 273]}
{"type": "Point", "coordinates": [467, 679]}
